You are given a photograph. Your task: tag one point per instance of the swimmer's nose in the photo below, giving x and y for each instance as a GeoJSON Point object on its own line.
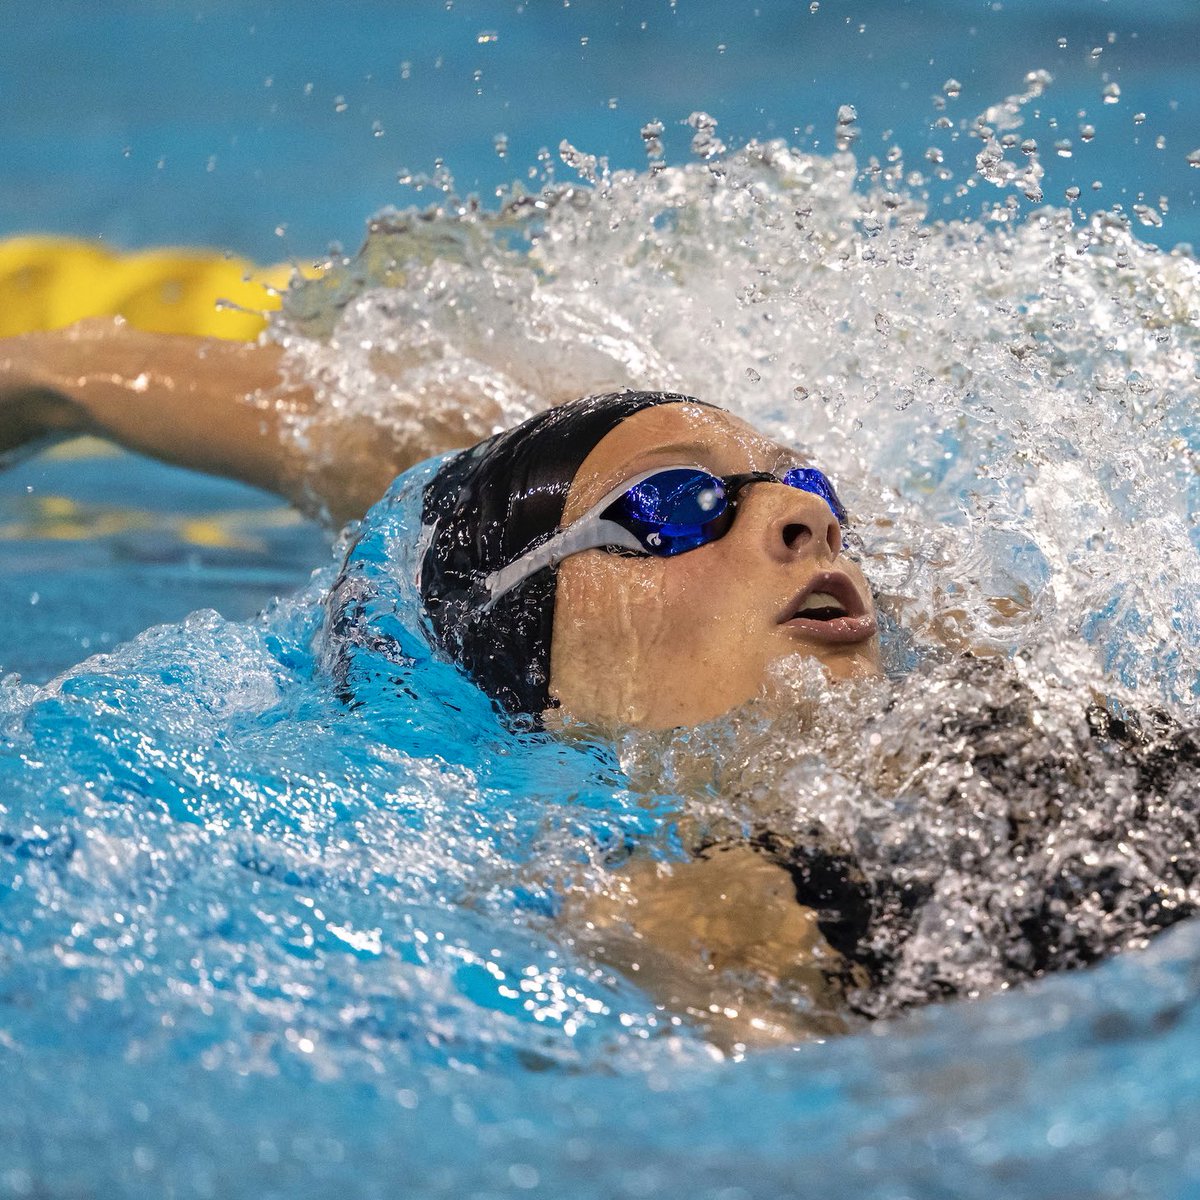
{"type": "Point", "coordinates": [801, 524]}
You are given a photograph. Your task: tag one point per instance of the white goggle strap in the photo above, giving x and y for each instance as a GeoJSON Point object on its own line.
{"type": "Point", "coordinates": [584, 534]}
{"type": "Point", "coordinates": [590, 532]}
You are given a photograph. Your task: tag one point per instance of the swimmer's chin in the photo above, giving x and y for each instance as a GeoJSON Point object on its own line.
{"type": "Point", "coordinates": [794, 679]}
{"type": "Point", "coordinates": [801, 679]}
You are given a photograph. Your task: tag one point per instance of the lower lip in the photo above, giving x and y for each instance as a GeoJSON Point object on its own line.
{"type": "Point", "coordinates": [840, 631]}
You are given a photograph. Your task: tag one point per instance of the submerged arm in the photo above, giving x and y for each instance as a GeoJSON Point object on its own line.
{"type": "Point", "coordinates": [722, 938]}
{"type": "Point", "coordinates": [212, 405]}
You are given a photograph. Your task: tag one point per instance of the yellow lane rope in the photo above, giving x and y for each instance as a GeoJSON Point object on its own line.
{"type": "Point", "coordinates": [49, 282]}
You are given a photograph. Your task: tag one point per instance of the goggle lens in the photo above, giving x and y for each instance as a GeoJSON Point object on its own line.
{"type": "Point", "coordinates": [809, 479]}
{"type": "Point", "coordinates": [676, 501]}
{"type": "Point", "coordinates": [682, 508]}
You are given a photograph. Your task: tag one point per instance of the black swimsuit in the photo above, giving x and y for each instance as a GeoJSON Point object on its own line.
{"type": "Point", "coordinates": [1094, 847]}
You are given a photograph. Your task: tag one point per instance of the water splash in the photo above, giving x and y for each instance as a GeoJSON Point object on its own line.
{"type": "Point", "coordinates": [1008, 404]}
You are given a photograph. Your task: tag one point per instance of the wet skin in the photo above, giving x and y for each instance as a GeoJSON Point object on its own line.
{"type": "Point", "coordinates": [662, 642]}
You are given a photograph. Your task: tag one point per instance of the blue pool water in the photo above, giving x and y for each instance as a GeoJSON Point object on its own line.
{"type": "Point", "coordinates": [256, 942]}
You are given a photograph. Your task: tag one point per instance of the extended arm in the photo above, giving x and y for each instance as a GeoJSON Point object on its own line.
{"type": "Point", "coordinates": [212, 405]}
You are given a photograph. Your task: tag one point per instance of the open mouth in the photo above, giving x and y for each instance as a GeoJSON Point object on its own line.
{"type": "Point", "coordinates": [830, 610]}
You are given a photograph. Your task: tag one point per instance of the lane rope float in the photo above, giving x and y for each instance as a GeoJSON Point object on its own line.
{"type": "Point", "coordinates": [50, 282]}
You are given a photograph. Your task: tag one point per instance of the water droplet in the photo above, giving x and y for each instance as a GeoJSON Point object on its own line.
{"type": "Point", "coordinates": [752, 375]}
{"type": "Point", "coordinates": [1194, 159]}
{"type": "Point", "coordinates": [652, 139]}
{"type": "Point", "coordinates": [705, 143]}
{"type": "Point", "coordinates": [952, 88]}
{"type": "Point", "coordinates": [1072, 193]}
{"type": "Point", "coordinates": [1111, 93]}
{"type": "Point", "coordinates": [1087, 132]}
{"type": "Point", "coordinates": [485, 37]}
{"type": "Point", "coordinates": [800, 393]}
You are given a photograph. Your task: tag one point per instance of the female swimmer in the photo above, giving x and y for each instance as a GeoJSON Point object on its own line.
{"type": "Point", "coordinates": [675, 628]}
{"type": "Point", "coordinates": [635, 559]}
{"type": "Point", "coordinates": [641, 559]}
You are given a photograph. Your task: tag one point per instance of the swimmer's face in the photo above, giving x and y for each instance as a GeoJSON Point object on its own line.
{"type": "Point", "coordinates": [660, 642]}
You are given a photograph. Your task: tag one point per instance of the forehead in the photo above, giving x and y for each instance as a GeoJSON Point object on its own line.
{"type": "Point", "coordinates": [671, 434]}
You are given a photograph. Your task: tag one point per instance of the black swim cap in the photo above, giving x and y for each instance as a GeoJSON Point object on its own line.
{"type": "Point", "coordinates": [486, 507]}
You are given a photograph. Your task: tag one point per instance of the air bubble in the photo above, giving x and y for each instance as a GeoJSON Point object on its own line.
{"type": "Point", "coordinates": [815, 6]}
{"type": "Point", "coordinates": [339, 104]}
{"type": "Point", "coordinates": [485, 37]}
{"type": "Point", "coordinates": [1072, 193]}
{"type": "Point", "coordinates": [1062, 43]}
{"type": "Point", "coordinates": [1063, 148]}
{"type": "Point", "coordinates": [952, 88]}
{"type": "Point", "coordinates": [1087, 132]}
{"type": "Point", "coordinates": [800, 393]}
{"type": "Point", "coordinates": [1139, 118]}
{"type": "Point", "coordinates": [752, 375]}
{"type": "Point", "coordinates": [1111, 93]}
{"type": "Point", "coordinates": [1194, 159]}
{"type": "Point", "coordinates": [1147, 215]}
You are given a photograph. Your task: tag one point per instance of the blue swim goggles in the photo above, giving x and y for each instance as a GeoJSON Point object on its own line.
{"type": "Point", "coordinates": [663, 512]}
